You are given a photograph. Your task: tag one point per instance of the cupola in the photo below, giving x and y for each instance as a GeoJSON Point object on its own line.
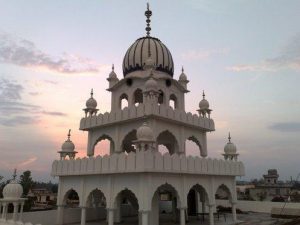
{"type": "Point", "coordinates": [183, 79]}
{"type": "Point", "coordinates": [68, 148]}
{"type": "Point", "coordinates": [204, 107]}
{"type": "Point", "coordinates": [230, 150]}
{"type": "Point", "coordinates": [91, 106]}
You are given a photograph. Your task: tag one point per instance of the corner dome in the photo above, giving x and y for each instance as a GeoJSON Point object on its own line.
{"type": "Point", "coordinates": [144, 133]}
{"type": "Point", "coordinates": [13, 190]}
{"type": "Point", "coordinates": [138, 53]}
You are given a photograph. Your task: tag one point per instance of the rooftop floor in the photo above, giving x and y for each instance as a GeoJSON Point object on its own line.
{"type": "Point", "coordinates": [244, 219]}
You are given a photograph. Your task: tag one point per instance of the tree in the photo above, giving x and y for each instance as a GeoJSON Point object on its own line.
{"type": "Point", "coordinates": [26, 182]}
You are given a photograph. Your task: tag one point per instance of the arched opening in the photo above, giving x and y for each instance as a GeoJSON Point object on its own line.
{"type": "Point", "coordinates": [161, 97]}
{"type": "Point", "coordinates": [223, 193]}
{"type": "Point", "coordinates": [167, 139]}
{"type": "Point", "coordinates": [123, 101]}
{"type": "Point", "coordinates": [104, 146]}
{"type": "Point", "coordinates": [71, 199]}
{"type": "Point", "coordinates": [127, 143]}
{"type": "Point", "coordinates": [138, 97]}
{"type": "Point", "coordinates": [162, 149]}
{"type": "Point", "coordinates": [173, 101]}
{"type": "Point", "coordinates": [164, 206]}
{"type": "Point", "coordinates": [192, 146]}
{"type": "Point", "coordinates": [127, 207]}
{"type": "Point", "coordinates": [197, 199]}
{"type": "Point", "coordinates": [96, 206]}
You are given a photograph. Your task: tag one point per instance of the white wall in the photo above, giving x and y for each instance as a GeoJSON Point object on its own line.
{"type": "Point", "coordinates": [259, 206]}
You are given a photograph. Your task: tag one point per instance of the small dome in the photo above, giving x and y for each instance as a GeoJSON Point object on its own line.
{"type": "Point", "coordinates": [204, 104]}
{"type": "Point", "coordinates": [91, 103]}
{"type": "Point", "coordinates": [182, 76]}
{"type": "Point", "coordinates": [138, 54]}
{"type": "Point", "coordinates": [230, 148]}
{"type": "Point", "coordinates": [13, 190]}
{"type": "Point", "coordinates": [151, 84]}
{"type": "Point", "coordinates": [144, 133]}
{"type": "Point", "coordinates": [112, 74]}
{"type": "Point", "coordinates": [68, 145]}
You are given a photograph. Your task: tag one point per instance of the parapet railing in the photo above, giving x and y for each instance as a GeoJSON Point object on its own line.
{"type": "Point", "coordinates": [147, 161]}
{"type": "Point", "coordinates": [147, 109]}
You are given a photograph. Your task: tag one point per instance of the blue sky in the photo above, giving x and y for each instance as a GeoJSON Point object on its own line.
{"type": "Point", "coordinates": [244, 54]}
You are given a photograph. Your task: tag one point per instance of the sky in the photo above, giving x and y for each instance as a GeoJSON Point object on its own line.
{"type": "Point", "coordinates": [244, 54]}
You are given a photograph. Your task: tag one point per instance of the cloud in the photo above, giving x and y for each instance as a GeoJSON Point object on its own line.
{"type": "Point", "coordinates": [10, 90]}
{"type": "Point", "coordinates": [27, 162]}
{"type": "Point", "coordinates": [14, 112]}
{"type": "Point", "coordinates": [289, 58]}
{"type": "Point", "coordinates": [203, 53]}
{"type": "Point", "coordinates": [53, 113]}
{"type": "Point", "coordinates": [24, 53]}
{"type": "Point", "coordinates": [34, 93]}
{"type": "Point", "coordinates": [286, 127]}
{"type": "Point", "coordinates": [17, 120]}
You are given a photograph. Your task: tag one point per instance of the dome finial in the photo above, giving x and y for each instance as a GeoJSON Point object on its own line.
{"type": "Point", "coordinates": [203, 95]}
{"type": "Point", "coordinates": [92, 93]}
{"type": "Point", "coordinates": [148, 14]}
{"type": "Point", "coordinates": [229, 138]}
{"type": "Point", "coordinates": [113, 67]}
{"type": "Point", "coordinates": [182, 69]}
{"type": "Point", "coordinates": [15, 174]}
{"type": "Point", "coordinates": [69, 134]}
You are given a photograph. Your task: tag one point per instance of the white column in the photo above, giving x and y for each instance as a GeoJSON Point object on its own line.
{"type": "Point", "coordinates": [83, 215]}
{"type": "Point", "coordinates": [182, 216]}
{"type": "Point", "coordinates": [59, 215]}
{"type": "Point", "coordinates": [145, 217]}
{"type": "Point", "coordinates": [110, 216]}
{"type": "Point", "coordinates": [4, 211]}
{"type": "Point", "coordinates": [211, 215]}
{"type": "Point", "coordinates": [21, 211]}
{"type": "Point", "coordinates": [234, 211]}
{"type": "Point", "coordinates": [16, 205]}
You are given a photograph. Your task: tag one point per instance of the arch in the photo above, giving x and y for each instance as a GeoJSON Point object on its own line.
{"type": "Point", "coordinates": [193, 151]}
{"type": "Point", "coordinates": [123, 101]}
{"type": "Point", "coordinates": [127, 143]}
{"type": "Point", "coordinates": [96, 198]}
{"type": "Point", "coordinates": [167, 139]}
{"type": "Point", "coordinates": [223, 192]}
{"type": "Point", "coordinates": [197, 198]}
{"type": "Point", "coordinates": [161, 97]}
{"type": "Point", "coordinates": [138, 97]}
{"type": "Point", "coordinates": [173, 101]}
{"type": "Point", "coordinates": [71, 199]}
{"type": "Point", "coordinates": [126, 199]}
{"type": "Point", "coordinates": [111, 144]}
{"type": "Point", "coordinates": [162, 194]}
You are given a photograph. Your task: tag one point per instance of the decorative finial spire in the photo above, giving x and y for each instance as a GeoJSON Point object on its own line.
{"type": "Point", "coordinates": [203, 95]}
{"type": "Point", "coordinates": [182, 69]}
{"type": "Point", "coordinates": [15, 174]}
{"type": "Point", "coordinates": [148, 14]}
{"type": "Point", "coordinates": [229, 138]}
{"type": "Point", "coordinates": [92, 93]}
{"type": "Point", "coordinates": [113, 67]}
{"type": "Point", "coordinates": [69, 134]}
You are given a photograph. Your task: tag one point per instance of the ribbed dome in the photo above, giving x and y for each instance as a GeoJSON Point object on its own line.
{"type": "Point", "coordinates": [230, 148]}
{"type": "Point", "coordinates": [138, 53]}
{"type": "Point", "coordinates": [13, 190]}
{"type": "Point", "coordinates": [144, 133]}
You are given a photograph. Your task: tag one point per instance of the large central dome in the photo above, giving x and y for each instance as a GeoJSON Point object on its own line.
{"type": "Point", "coordinates": [138, 53]}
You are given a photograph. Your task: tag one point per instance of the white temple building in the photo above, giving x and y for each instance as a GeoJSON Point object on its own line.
{"type": "Point", "coordinates": [135, 172]}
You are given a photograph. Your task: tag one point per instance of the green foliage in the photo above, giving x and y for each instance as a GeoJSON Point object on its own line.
{"type": "Point", "coordinates": [26, 182]}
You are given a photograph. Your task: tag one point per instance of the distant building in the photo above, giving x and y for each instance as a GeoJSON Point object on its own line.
{"type": "Point", "coordinates": [271, 188]}
{"type": "Point", "coordinates": [42, 198]}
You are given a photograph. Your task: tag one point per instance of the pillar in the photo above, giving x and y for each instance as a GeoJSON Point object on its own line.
{"type": "Point", "coordinates": [59, 214]}
{"type": "Point", "coordinates": [4, 210]}
{"type": "Point", "coordinates": [145, 217]}
{"type": "Point", "coordinates": [211, 215]}
{"type": "Point", "coordinates": [118, 216]}
{"type": "Point", "coordinates": [203, 202]}
{"type": "Point", "coordinates": [182, 216]}
{"type": "Point", "coordinates": [21, 211]}
{"type": "Point", "coordinates": [110, 216]}
{"type": "Point", "coordinates": [16, 205]}
{"type": "Point", "coordinates": [234, 211]}
{"type": "Point", "coordinates": [83, 215]}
